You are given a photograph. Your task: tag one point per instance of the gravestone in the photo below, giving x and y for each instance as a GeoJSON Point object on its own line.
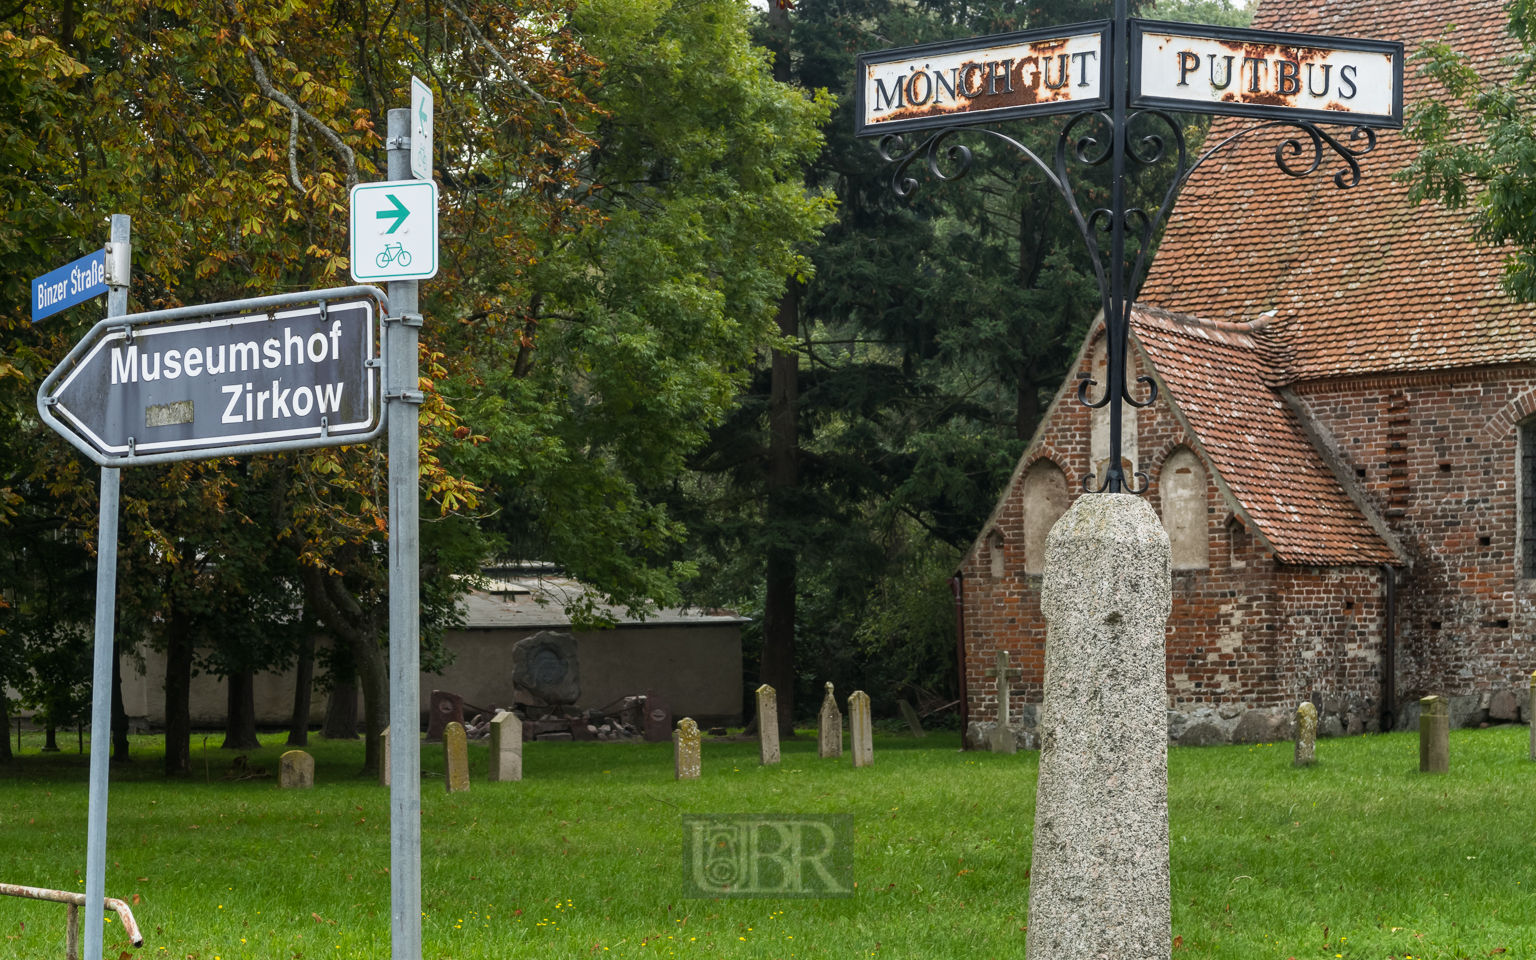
{"type": "Point", "coordinates": [1003, 740]}
{"type": "Point", "coordinates": [658, 719]}
{"type": "Point", "coordinates": [295, 770]}
{"type": "Point", "coordinates": [546, 667]}
{"type": "Point", "coordinates": [829, 732]}
{"type": "Point", "coordinates": [444, 708]}
{"type": "Point", "coordinates": [767, 725]}
{"type": "Point", "coordinates": [455, 758]}
{"type": "Point", "coordinates": [384, 758]}
{"type": "Point", "coordinates": [686, 750]}
{"type": "Point", "coordinates": [1434, 735]}
{"type": "Point", "coordinates": [1099, 873]}
{"type": "Point", "coordinates": [1306, 734]}
{"type": "Point", "coordinates": [506, 747]}
{"type": "Point", "coordinates": [913, 723]}
{"type": "Point", "coordinates": [861, 731]}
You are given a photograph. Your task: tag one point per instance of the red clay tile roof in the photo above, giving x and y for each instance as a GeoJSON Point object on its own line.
{"type": "Point", "coordinates": [1362, 282]}
{"type": "Point", "coordinates": [1221, 377]}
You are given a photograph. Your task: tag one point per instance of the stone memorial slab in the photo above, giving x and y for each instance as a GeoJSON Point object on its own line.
{"type": "Point", "coordinates": [1099, 873]}
{"type": "Point", "coordinates": [455, 758]}
{"type": "Point", "coordinates": [1434, 735]}
{"type": "Point", "coordinates": [861, 729]}
{"type": "Point", "coordinates": [1003, 740]}
{"type": "Point", "coordinates": [444, 708]}
{"type": "Point", "coordinates": [295, 770]}
{"type": "Point", "coordinates": [658, 719]}
{"type": "Point", "coordinates": [686, 750]}
{"type": "Point", "coordinates": [909, 712]}
{"type": "Point", "coordinates": [767, 725]}
{"type": "Point", "coordinates": [506, 747]}
{"type": "Point", "coordinates": [546, 667]}
{"type": "Point", "coordinates": [829, 729]}
{"type": "Point", "coordinates": [1306, 734]}
{"type": "Point", "coordinates": [384, 767]}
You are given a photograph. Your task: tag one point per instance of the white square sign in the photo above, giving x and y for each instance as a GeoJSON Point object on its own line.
{"type": "Point", "coordinates": [421, 130]}
{"type": "Point", "coordinates": [394, 230]}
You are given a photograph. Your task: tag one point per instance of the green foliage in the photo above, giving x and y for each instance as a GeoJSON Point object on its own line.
{"type": "Point", "coordinates": [1477, 144]}
{"type": "Point", "coordinates": [1223, 13]}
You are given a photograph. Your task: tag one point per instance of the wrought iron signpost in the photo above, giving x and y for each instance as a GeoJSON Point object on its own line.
{"type": "Point", "coordinates": [1123, 78]}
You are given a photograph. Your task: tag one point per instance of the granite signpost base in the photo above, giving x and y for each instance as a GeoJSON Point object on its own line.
{"type": "Point", "coordinates": [1099, 876]}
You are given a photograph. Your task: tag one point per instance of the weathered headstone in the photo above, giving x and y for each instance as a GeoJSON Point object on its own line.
{"type": "Point", "coordinates": [1003, 740]}
{"type": "Point", "coordinates": [1434, 735]}
{"type": "Point", "coordinates": [1306, 734]}
{"type": "Point", "coordinates": [767, 725]}
{"type": "Point", "coordinates": [455, 758]}
{"type": "Point", "coordinates": [545, 666]}
{"type": "Point", "coordinates": [295, 770]}
{"type": "Point", "coordinates": [506, 747]}
{"type": "Point", "coordinates": [686, 750]}
{"type": "Point", "coordinates": [1099, 874]}
{"type": "Point", "coordinates": [861, 731]}
{"type": "Point", "coordinates": [658, 719]}
{"type": "Point", "coordinates": [444, 708]}
{"type": "Point", "coordinates": [384, 758]}
{"type": "Point", "coordinates": [829, 739]}
{"type": "Point", "coordinates": [913, 723]}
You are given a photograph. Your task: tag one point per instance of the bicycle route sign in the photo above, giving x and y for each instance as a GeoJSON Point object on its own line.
{"type": "Point", "coordinates": [394, 230]}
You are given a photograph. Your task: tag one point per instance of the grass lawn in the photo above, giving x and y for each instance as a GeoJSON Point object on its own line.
{"type": "Point", "coordinates": [1358, 857]}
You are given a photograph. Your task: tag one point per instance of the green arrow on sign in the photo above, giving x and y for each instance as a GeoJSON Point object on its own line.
{"type": "Point", "coordinates": [398, 214]}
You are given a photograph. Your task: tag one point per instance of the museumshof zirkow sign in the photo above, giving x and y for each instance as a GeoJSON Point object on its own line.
{"type": "Point", "coordinates": [1173, 66]}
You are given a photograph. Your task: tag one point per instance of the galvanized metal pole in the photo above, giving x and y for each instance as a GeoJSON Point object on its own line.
{"type": "Point", "coordinates": [101, 680]}
{"type": "Point", "coordinates": [404, 588]}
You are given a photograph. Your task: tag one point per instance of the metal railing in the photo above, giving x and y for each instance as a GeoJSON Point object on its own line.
{"type": "Point", "coordinates": [73, 902]}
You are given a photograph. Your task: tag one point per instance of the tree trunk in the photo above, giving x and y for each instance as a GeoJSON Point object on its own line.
{"type": "Point", "coordinates": [119, 713]}
{"type": "Point", "coordinates": [5, 732]}
{"type": "Point", "coordinates": [178, 692]}
{"type": "Point", "coordinates": [358, 628]}
{"type": "Point", "coordinates": [341, 712]}
{"type": "Point", "coordinates": [240, 720]}
{"type": "Point", "coordinates": [373, 676]}
{"type": "Point", "coordinates": [303, 691]}
{"type": "Point", "coordinates": [1027, 412]}
{"type": "Point", "coordinates": [778, 659]}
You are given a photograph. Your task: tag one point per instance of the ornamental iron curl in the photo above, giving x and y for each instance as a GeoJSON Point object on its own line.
{"type": "Point", "coordinates": [1119, 281]}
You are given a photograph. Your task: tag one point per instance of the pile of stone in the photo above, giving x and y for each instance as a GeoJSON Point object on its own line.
{"type": "Point", "coordinates": [586, 725]}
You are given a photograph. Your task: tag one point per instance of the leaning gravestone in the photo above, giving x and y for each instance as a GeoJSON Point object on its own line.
{"type": "Point", "coordinates": [1306, 734]}
{"type": "Point", "coordinates": [444, 708]}
{"type": "Point", "coordinates": [1434, 735]}
{"type": "Point", "coordinates": [767, 725]}
{"type": "Point", "coordinates": [545, 666]}
{"type": "Point", "coordinates": [913, 723]}
{"type": "Point", "coordinates": [686, 750]}
{"type": "Point", "coordinates": [296, 770]}
{"type": "Point", "coordinates": [829, 739]}
{"type": "Point", "coordinates": [506, 747]}
{"type": "Point", "coordinates": [456, 758]}
{"type": "Point", "coordinates": [861, 731]}
{"type": "Point", "coordinates": [384, 758]}
{"type": "Point", "coordinates": [1099, 876]}
{"type": "Point", "coordinates": [1003, 740]}
{"type": "Point", "coordinates": [658, 719]}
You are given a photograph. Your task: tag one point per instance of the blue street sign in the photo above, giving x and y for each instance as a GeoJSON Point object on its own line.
{"type": "Point", "coordinates": [70, 284]}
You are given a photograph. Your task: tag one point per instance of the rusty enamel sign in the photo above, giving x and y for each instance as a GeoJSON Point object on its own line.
{"type": "Point", "coordinates": [1267, 75]}
{"type": "Point", "coordinates": [1003, 77]}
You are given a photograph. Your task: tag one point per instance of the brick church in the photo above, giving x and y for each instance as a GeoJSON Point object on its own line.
{"type": "Point", "coordinates": [1343, 450]}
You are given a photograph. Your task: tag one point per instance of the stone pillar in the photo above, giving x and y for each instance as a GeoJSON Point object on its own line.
{"type": "Point", "coordinates": [909, 713]}
{"type": "Point", "coordinates": [1434, 735]}
{"type": "Point", "coordinates": [686, 759]}
{"type": "Point", "coordinates": [296, 770]}
{"type": "Point", "coordinates": [455, 758]}
{"type": "Point", "coordinates": [1099, 875]}
{"type": "Point", "coordinates": [829, 729]}
{"type": "Point", "coordinates": [1306, 734]}
{"type": "Point", "coordinates": [384, 758]}
{"type": "Point", "coordinates": [506, 747]}
{"type": "Point", "coordinates": [861, 729]}
{"type": "Point", "coordinates": [767, 726]}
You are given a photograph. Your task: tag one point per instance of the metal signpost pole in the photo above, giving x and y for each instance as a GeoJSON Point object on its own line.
{"type": "Point", "coordinates": [106, 612]}
{"type": "Point", "coordinates": [403, 398]}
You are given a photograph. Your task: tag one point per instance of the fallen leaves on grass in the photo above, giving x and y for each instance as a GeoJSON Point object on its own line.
{"type": "Point", "coordinates": [320, 919]}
